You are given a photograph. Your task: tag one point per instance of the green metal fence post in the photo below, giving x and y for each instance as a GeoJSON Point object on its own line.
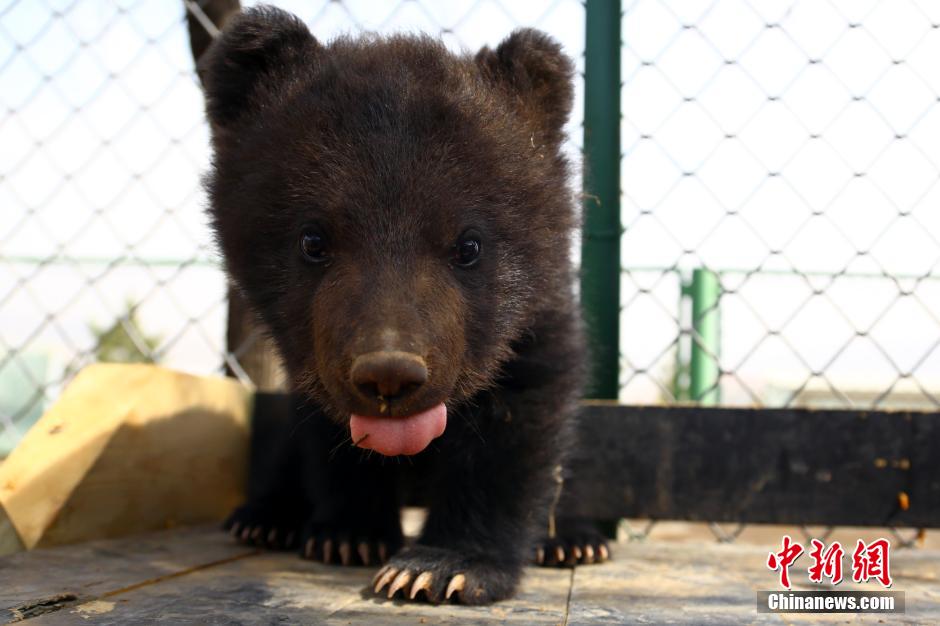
{"type": "Point", "coordinates": [600, 251]}
{"type": "Point", "coordinates": [705, 291]}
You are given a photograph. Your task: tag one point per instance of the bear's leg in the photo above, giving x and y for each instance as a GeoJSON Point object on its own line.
{"type": "Point", "coordinates": [494, 482]}
{"type": "Point", "coordinates": [352, 494]}
{"type": "Point", "coordinates": [566, 540]}
{"type": "Point", "coordinates": [273, 514]}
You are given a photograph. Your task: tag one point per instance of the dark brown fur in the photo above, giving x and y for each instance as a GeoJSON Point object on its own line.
{"type": "Point", "coordinates": [393, 147]}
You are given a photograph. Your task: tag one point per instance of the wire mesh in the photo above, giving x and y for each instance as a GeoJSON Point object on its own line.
{"type": "Point", "coordinates": [790, 148]}
{"type": "Point", "coordinates": [105, 253]}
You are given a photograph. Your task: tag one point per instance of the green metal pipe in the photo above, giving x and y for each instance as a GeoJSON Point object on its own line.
{"type": "Point", "coordinates": [705, 291]}
{"type": "Point", "coordinates": [600, 246]}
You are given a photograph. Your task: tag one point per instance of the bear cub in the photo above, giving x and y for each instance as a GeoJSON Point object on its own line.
{"type": "Point", "coordinates": [400, 217]}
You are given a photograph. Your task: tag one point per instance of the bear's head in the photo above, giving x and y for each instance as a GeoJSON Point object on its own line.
{"type": "Point", "coordinates": [396, 214]}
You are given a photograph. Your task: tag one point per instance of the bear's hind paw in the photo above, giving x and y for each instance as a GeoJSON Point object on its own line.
{"type": "Point", "coordinates": [256, 526]}
{"type": "Point", "coordinates": [345, 543]}
{"type": "Point", "coordinates": [577, 542]}
{"type": "Point", "coordinates": [345, 551]}
{"type": "Point", "coordinates": [556, 553]}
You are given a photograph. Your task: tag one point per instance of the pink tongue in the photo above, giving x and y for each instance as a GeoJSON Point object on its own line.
{"type": "Point", "coordinates": [409, 434]}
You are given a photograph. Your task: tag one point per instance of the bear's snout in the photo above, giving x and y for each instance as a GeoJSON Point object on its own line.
{"type": "Point", "coordinates": [388, 375]}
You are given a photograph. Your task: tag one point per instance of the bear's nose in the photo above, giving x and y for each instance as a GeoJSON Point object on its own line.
{"type": "Point", "coordinates": [388, 374]}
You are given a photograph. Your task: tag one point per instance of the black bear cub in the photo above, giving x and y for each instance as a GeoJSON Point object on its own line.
{"type": "Point", "coordinates": [400, 219]}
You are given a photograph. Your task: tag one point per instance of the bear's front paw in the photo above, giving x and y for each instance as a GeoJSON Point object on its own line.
{"type": "Point", "coordinates": [438, 575]}
{"type": "Point", "coordinates": [267, 527]}
{"type": "Point", "coordinates": [347, 544]}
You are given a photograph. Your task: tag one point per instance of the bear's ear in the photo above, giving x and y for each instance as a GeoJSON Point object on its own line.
{"type": "Point", "coordinates": [533, 68]}
{"type": "Point", "coordinates": [258, 50]}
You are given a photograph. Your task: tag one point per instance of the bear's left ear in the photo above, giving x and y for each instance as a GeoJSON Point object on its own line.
{"type": "Point", "coordinates": [533, 68]}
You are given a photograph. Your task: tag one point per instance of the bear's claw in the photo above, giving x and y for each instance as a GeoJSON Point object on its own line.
{"type": "Point", "coordinates": [455, 585]}
{"type": "Point", "coordinates": [345, 553]}
{"type": "Point", "coordinates": [327, 551]}
{"type": "Point", "coordinates": [383, 577]}
{"type": "Point", "coordinates": [421, 583]}
{"type": "Point", "coordinates": [363, 550]}
{"type": "Point", "coordinates": [403, 578]}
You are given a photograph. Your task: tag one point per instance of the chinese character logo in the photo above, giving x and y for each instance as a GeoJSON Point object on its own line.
{"type": "Point", "coordinates": [871, 561]}
{"type": "Point", "coordinates": [826, 563]}
{"type": "Point", "coordinates": [868, 561]}
{"type": "Point", "coordinates": [783, 559]}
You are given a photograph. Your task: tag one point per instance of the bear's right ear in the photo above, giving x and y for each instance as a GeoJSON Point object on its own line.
{"type": "Point", "coordinates": [257, 51]}
{"type": "Point", "coordinates": [533, 68]}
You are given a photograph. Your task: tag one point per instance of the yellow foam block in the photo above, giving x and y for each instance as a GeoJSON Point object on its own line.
{"type": "Point", "coordinates": [126, 448]}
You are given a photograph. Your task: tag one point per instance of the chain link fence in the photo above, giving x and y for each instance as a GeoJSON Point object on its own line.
{"type": "Point", "coordinates": [780, 202]}
{"type": "Point", "coordinates": [105, 252]}
{"type": "Point", "coordinates": [781, 205]}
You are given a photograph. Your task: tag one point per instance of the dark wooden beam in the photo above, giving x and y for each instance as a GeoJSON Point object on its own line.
{"type": "Point", "coordinates": [781, 466]}
{"type": "Point", "coordinates": [776, 466]}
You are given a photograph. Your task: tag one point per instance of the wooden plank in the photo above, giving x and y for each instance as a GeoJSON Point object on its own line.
{"type": "Point", "coordinates": [670, 583]}
{"type": "Point", "coordinates": [717, 583]}
{"type": "Point", "coordinates": [261, 589]}
{"type": "Point", "coordinates": [783, 466]}
{"type": "Point", "coordinates": [70, 575]}
{"type": "Point", "coordinates": [199, 576]}
{"type": "Point", "coordinates": [280, 587]}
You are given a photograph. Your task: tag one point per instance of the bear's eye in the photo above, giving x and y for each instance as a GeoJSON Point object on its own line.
{"type": "Point", "coordinates": [313, 245]}
{"type": "Point", "coordinates": [468, 248]}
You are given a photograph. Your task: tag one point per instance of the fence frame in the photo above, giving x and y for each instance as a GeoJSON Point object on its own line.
{"type": "Point", "coordinates": [600, 243]}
